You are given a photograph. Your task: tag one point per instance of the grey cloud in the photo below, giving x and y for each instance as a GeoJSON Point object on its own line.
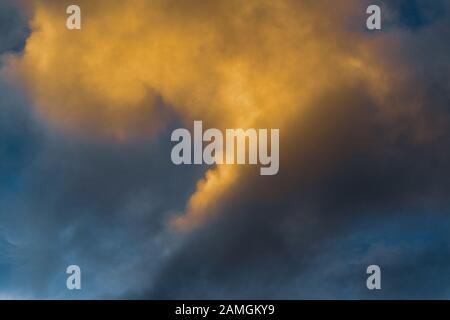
{"type": "Point", "coordinates": [105, 205]}
{"type": "Point", "coordinates": [347, 160]}
{"type": "Point", "coordinates": [13, 27]}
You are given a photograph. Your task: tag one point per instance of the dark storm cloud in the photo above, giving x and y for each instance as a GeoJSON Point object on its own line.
{"type": "Point", "coordinates": [258, 246]}
{"type": "Point", "coordinates": [306, 233]}
{"type": "Point", "coordinates": [415, 14]}
{"type": "Point", "coordinates": [412, 253]}
{"type": "Point", "coordinates": [19, 139]}
{"type": "Point", "coordinates": [16, 128]}
{"type": "Point", "coordinates": [13, 27]}
{"type": "Point", "coordinates": [95, 203]}
{"type": "Point", "coordinates": [100, 206]}
{"type": "Point", "coordinates": [358, 160]}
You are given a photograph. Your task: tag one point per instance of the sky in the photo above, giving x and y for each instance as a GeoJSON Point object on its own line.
{"type": "Point", "coordinates": [86, 176]}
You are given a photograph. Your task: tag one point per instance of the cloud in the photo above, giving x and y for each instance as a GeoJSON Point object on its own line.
{"type": "Point", "coordinates": [13, 26]}
{"type": "Point", "coordinates": [229, 64]}
{"type": "Point", "coordinates": [100, 204]}
{"type": "Point", "coordinates": [364, 133]}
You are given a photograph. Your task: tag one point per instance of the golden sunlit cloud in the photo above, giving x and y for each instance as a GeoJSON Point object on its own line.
{"type": "Point", "coordinates": [232, 64]}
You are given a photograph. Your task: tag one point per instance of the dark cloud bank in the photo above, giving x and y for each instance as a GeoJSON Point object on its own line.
{"type": "Point", "coordinates": [365, 189]}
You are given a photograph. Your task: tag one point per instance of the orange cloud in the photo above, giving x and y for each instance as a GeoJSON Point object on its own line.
{"type": "Point", "coordinates": [232, 64]}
